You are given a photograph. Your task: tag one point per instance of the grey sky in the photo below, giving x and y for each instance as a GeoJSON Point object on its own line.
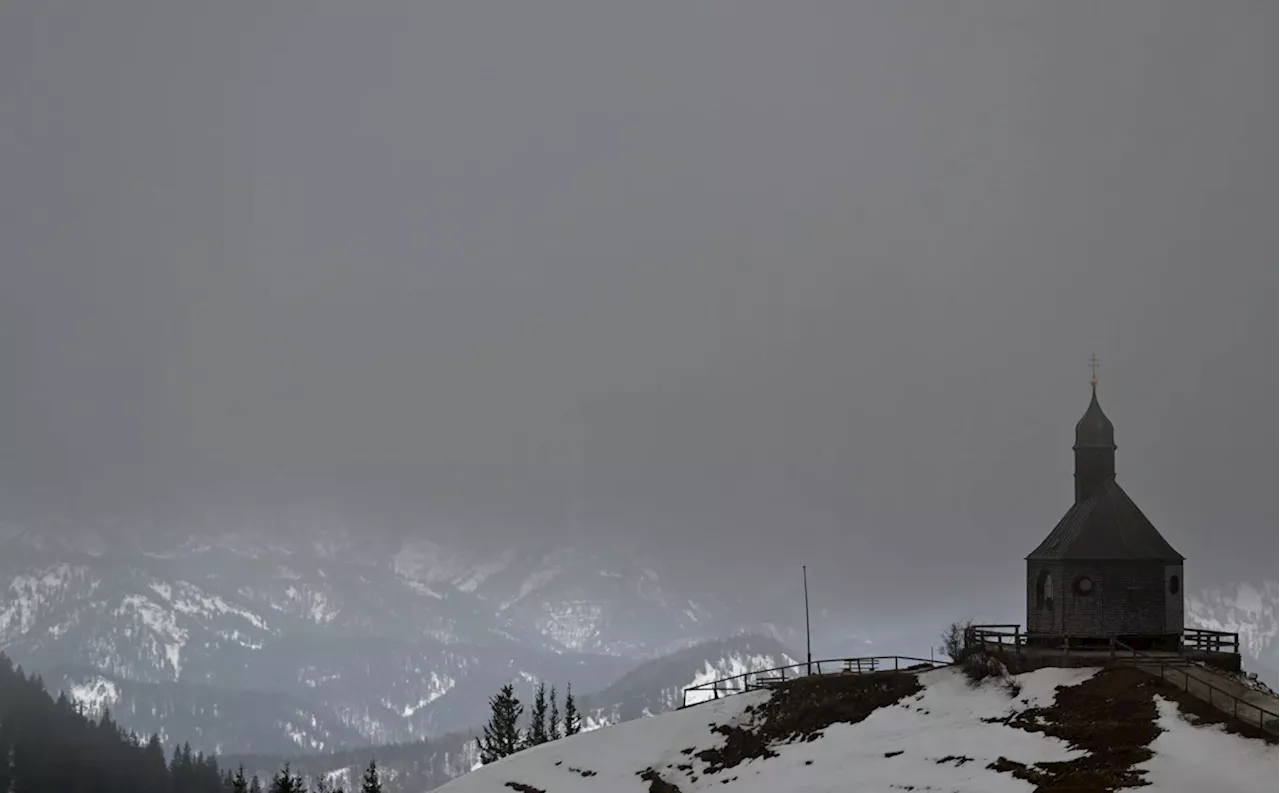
{"type": "Point", "coordinates": [725, 270]}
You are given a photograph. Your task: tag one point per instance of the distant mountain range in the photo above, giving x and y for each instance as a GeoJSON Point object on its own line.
{"type": "Point", "coordinates": [236, 643]}
{"type": "Point", "coordinates": [651, 688]}
{"type": "Point", "coordinates": [318, 641]}
{"type": "Point", "coordinates": [1248, 609]}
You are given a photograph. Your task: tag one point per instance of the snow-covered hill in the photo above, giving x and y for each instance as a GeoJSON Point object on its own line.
{"type": "Point", "coordinates": [935, 733]}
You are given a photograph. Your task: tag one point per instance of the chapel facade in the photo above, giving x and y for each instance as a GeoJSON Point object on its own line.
{"type": "Point", "coordinates": [1104, 571]}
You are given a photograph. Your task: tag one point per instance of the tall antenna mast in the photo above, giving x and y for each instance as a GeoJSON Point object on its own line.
{"type": "Point", "coordinates": [808, 644]}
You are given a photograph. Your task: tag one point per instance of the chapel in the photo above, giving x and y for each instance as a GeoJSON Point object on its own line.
{"type": "Point", "coordinates": [1104, 571]}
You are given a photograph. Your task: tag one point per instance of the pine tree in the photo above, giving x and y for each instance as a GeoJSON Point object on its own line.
{"type": "Point", "coordinates": [553, 723]}
{"type": "Point", "coordinates": [285, 781]}
{"type": "Point", "coordinates": [371, 781]}
{"type": "Point", "coordinates": [538, 718]}
{"type": "Point", "coordinates": [238, 783]}
{"type": "Point", "coordinates": [321, 785]}
{"type": "Point", "coordinates": [502, 733]}
{"type": "Point", "coordinates": [255, 785]}
{"type": "Point", "coordinates": [572, 721]}
{"type": "Point", "coordinates": [6, 762]}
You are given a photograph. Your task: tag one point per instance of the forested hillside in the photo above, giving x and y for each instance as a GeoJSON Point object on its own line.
{"type": "Point", "coordinates": [50, 746]}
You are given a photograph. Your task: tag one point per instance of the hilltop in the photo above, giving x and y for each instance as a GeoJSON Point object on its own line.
{"type": "Point", "coordinates": [1049, 730]}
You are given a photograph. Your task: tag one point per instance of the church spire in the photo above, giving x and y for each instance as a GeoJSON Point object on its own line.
{"type": "Point", "coordinates": [1095, 445]}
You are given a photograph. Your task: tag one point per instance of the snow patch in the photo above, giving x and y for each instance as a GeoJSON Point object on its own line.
{"type": "Point", "coordinates": [95, 694]}
{"type": "Point", "coordinates": [1195, 758]}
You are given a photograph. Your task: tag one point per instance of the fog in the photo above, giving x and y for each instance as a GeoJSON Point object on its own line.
{"type": "Point", "coordinates": [745, 281]}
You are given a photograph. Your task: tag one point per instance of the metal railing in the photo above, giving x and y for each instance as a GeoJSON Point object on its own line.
{"type": "Point", "coordinates": [763, 678]}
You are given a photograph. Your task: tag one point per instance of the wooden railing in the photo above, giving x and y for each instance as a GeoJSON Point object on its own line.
{"type": "Point", "coordinates": [1012, 637]}
{"type": "Point", "coordinates": [1240, 708]}
{"type": "Point", "coordinates": [1205, 640]}
{"type": "Point", "coordinates": [763, 678]}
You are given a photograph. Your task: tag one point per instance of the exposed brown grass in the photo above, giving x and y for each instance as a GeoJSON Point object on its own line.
{"type": "Point", "coordinates": [656, 783]}
{"type": "Point", "coordinates": [800, 710]}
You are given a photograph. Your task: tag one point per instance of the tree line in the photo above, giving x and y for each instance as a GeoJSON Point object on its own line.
{"type": "Point", "coordinates": [503, 735]}
{"type": "Point", "coordinates": [51, 746]}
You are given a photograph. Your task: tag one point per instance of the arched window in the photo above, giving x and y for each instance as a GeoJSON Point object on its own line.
{"type": "Point", "coordinates": [1044, 590]}
{"type": "Point", "coordinates": [1174, 585]}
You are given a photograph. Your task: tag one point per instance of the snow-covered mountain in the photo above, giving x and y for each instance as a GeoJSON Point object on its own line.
{"type": "Point", "coordinates": [1249, 609]}
{"type": "Point", "coordinates": [652, 688]}
{"type": "Point", "coordinates": [233, 641]}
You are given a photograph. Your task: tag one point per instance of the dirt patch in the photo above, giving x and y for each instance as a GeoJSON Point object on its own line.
{"type": "Point", "coordinates": [800, 710]}
{"type": "Point", "coordinates": [656, 783]}
{"type": "Point", "coordinates": [1112, 716]}
{"type": "Point", "coordinates": [521, 787]}
{"type": "Point", "coordinates": [582, 771]}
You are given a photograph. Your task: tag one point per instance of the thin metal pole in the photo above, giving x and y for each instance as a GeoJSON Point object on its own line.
{"type": "Point", "coordinates": [808, 643]}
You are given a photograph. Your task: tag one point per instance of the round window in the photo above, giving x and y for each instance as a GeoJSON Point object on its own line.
{"type": "Point", "coordinates": [1174, 584]}
{"type": "Point", "coordinates": [1084, 585]}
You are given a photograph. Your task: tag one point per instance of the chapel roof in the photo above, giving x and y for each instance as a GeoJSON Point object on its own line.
{"type": "Point", "coordinates": [1107, 526]}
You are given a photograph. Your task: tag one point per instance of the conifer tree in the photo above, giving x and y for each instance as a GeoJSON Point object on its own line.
{"type": "Point", "coordinates": [538, 718]}
{"type": "Point", "coordinates": [6, 761]}
{"type": "Point", "coordinates": [285, 781]}
{"type": "Point", "coordinates": [371, 781]}
{"type": "Point", "coordinates": [255, 785]}
{"type": "Point", "coordinates": [553, 723]}
{"type": "Point", "coordinates": [572, 721]}
{"type": "Point", "coordinates": [502, 733]}
{"type": "Point", "coordinates": [238, 783]}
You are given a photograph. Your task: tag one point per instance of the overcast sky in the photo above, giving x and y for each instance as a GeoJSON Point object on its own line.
{"type": "Point", "coordinates": [733, 274]}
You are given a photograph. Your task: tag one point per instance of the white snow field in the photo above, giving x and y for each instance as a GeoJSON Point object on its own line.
{"type": "Point", "coordinates": [895, 748]}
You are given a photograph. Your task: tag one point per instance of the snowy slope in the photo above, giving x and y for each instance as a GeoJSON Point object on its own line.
{"type": "Point", "coordinates": [943, 738]}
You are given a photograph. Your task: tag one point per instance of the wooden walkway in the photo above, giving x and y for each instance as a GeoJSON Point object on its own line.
{"type": "Point", "coordinates": [1227, 694]}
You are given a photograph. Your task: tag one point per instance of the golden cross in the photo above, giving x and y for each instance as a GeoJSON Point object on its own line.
{"type": "Point", "coordinates": [1093, 368]}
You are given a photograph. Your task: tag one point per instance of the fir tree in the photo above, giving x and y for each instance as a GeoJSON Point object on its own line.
{"type": "Point", "coordinates": [553, 723]}
{"type": "Point", "coordinates": [502, 733]}
{"type": "Point", "coordinates": [371, 782]}
{"type": "Point", "coordinates": [538, 718]}
{"type": "Point", "coordinates": [255, 785]}
{"type": "Point", "coordinates": [572, 721]}
{"type": "Point", "coordinates": [238, 783]}
{"type": "Point", "coordinates": [285, 781]}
